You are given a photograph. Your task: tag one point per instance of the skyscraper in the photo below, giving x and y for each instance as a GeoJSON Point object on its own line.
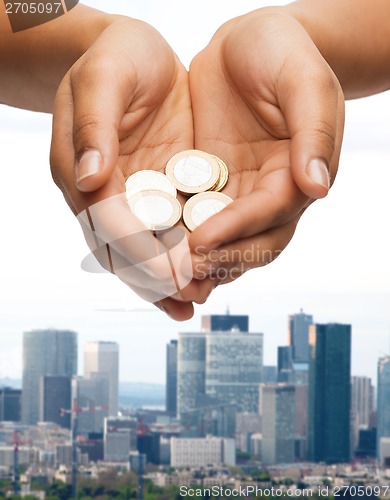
{"type": "Point", "coordinates": [298, 336]}
{"type": "Point", "coordinates": [171, 378]}
{"type": "Point", "coordinates": [191, 370]}
{"type": "Point", "coordinates": [45, 352]}
{"type": "Point", "coordinates": [102, 359]}
{"type": "Point", "coordinates": [219, 370]}
{"type": "Point", "coordinates": [330, 393]}
{"type": "Point", "coordinates": [362, 406]}
{"type": "Point", "coordinates": [285, 364]}
{"type": "Point", "coordinates": [278, 423]}
{"type": "Point", "coordinates": [383, 400]}
{"type": "Point", "coordinates": [234, 365]}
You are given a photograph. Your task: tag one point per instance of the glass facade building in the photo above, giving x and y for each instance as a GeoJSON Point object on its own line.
{"type": "Point", "coordinates": [383, 400]}
{"type": "Point", "coordinates": [171, 378]}
{"type": "Point", "coordinates": [102, 358]}
{"type": "Point", "coordinates": [55, 395]}
{"type": "Point", "coordinates": [278, 423]}
{"type": "Point", "coordinates": [45, 352]}
{"type": "Point", "coordinates": [298, 336]}
{"type": "Point", "coordinates": [330, 393]}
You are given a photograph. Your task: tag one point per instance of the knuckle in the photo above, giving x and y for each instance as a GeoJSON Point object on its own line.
{"type": "Point", "coordinates": [84, 128]}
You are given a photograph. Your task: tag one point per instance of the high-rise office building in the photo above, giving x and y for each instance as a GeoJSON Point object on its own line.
{"type": "Point", "coordinates": [220, 370]}
{"type": "Point", "coordinates": [278, 423]}
{"type": "Point", "coordinates": [285, 364]}
{"type": "Point", "coordinates": [55, 395]}
{"type": "Point", "coordinates": [171, 378]}
{"type": "Point", "coordinates": [362, 399]}
{"type": "Point", "coordinates": [10, 404]}
{"type": "Point", "coordinates": [362, 406]}
{"type": "Point", "coordinates": [298, 336]}
{"type": "Point", "coordinates": [383, 400]}
{"type": "Point", "coordinates": [191, 370]}
{"type": "Point", "coordinates": [45, 352]}
{"type": "Point", "coordinates": [92, 392]}
{"type": "Point", "coordinates": [301, 420]}
{"type": "Point", "coordinates": [102, 358]}
{"type": "Point", "coordinates": [330, 393]}
{"type": "Point", "coordinates": [234, 365]}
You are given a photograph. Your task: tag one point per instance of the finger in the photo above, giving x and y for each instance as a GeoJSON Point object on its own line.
{"type": "Point", "coordinates": [101, 93]}
{"type": "Point", "coordinates": [231, 261]}
{"type": "Point", "coordinates": [275, 200]}
{"type": "Point", "coordinates": [312, 102]}
{"type": "Point", "coordinates": [179, 311]}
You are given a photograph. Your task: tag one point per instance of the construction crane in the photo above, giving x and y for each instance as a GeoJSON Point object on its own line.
{"type": "Point", "coordinates": [17, 442]}
{"type": "Point", "coordinates": [74, 411]}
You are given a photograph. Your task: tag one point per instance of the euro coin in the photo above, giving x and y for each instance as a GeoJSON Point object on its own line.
{"type": "Point", "coordinates": [202, 206]}
{"type": "Point", "coordinates": [157, 210]}
{"type": "Point", "coordinates": [193, 171]}
{"type": "Point", "coordinates": [223, 174]}
{"type": "Point", "coordinates": [149, 179]}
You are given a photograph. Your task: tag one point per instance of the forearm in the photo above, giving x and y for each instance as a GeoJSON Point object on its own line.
{"type": "Point", "coordinates": [354, 37]}
{"type": "Point", "coordinates": [34, 61]}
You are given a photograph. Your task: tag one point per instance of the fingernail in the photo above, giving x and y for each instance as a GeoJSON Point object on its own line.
{"type": "Point", "coordinates": [88, 164]}
{"type": "Point", "coordinates": [318, 173]}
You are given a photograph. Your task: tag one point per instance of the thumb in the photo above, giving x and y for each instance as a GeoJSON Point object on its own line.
{"type": "Point", "coordinates": [314, 112]}
{"type": "Point", "coordinates": [100, 100]}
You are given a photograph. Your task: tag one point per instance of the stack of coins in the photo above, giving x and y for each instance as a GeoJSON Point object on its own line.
{"type": "Point", "coordinates": [152, 195]}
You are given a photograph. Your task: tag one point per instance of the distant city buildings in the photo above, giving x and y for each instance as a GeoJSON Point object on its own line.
{"type": "Point", "coordinates": [330, 393]}
{"type": "Point", "coordinates": [101, 359]}
{"type": "Point", "coordinates": [199, 452]}
{"type": "Point", "coordinates": [55, 395]}
{"type": "Point", "coordinates": [191, 371]}
{"type": "Point", "coordinates": [221, 403]}
{"type": "Point", "coordinates": [219, 373]}
{"type": "Point", "coordinates": [171, 378]}
{"type": "Point", "coordinates": [10, 404]}
{"type": "Point", "coordinates": [362, 407]}
{"type": "Point", "coordinates": [278, 423]}
{"type": "Point", "coordinates": [91, 393]}
{"type": "Point", "coordinates": [383, 407]}
{"type": "Point", "coordinates": [120, 437]}
{"type": "Point", "coordinates": [298, 336]}
{"type": "Point", "coordinates": [45, 352]}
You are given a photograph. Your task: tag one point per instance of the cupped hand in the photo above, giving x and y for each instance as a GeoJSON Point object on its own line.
{"type": "Point", "coordinates": [124, 106]}
{"type": "Point", "coordinates": [266, 102]}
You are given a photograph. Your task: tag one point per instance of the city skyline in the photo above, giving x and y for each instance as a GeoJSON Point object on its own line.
{"type": "Point", "coordinates": [11, 367]}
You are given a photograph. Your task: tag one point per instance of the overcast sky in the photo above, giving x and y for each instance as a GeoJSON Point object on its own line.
{"type": "Point", "coordinates": [336, 268]}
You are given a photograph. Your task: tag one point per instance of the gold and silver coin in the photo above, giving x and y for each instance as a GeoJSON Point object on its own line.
{"type": "Point", "coordinates": [202, 206]}
{"type": "Point", "coordinates": [156, 209]}
{"type": "Point", "coordinates": [223, 174]}
{"type": "Point", "coordinates": [149, 179]}
{"type": "Point", "coordinates": [193, 171]}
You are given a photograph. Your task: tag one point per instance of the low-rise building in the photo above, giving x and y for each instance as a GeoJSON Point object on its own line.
{"type": "Point", "coordinates": [200, 452]}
